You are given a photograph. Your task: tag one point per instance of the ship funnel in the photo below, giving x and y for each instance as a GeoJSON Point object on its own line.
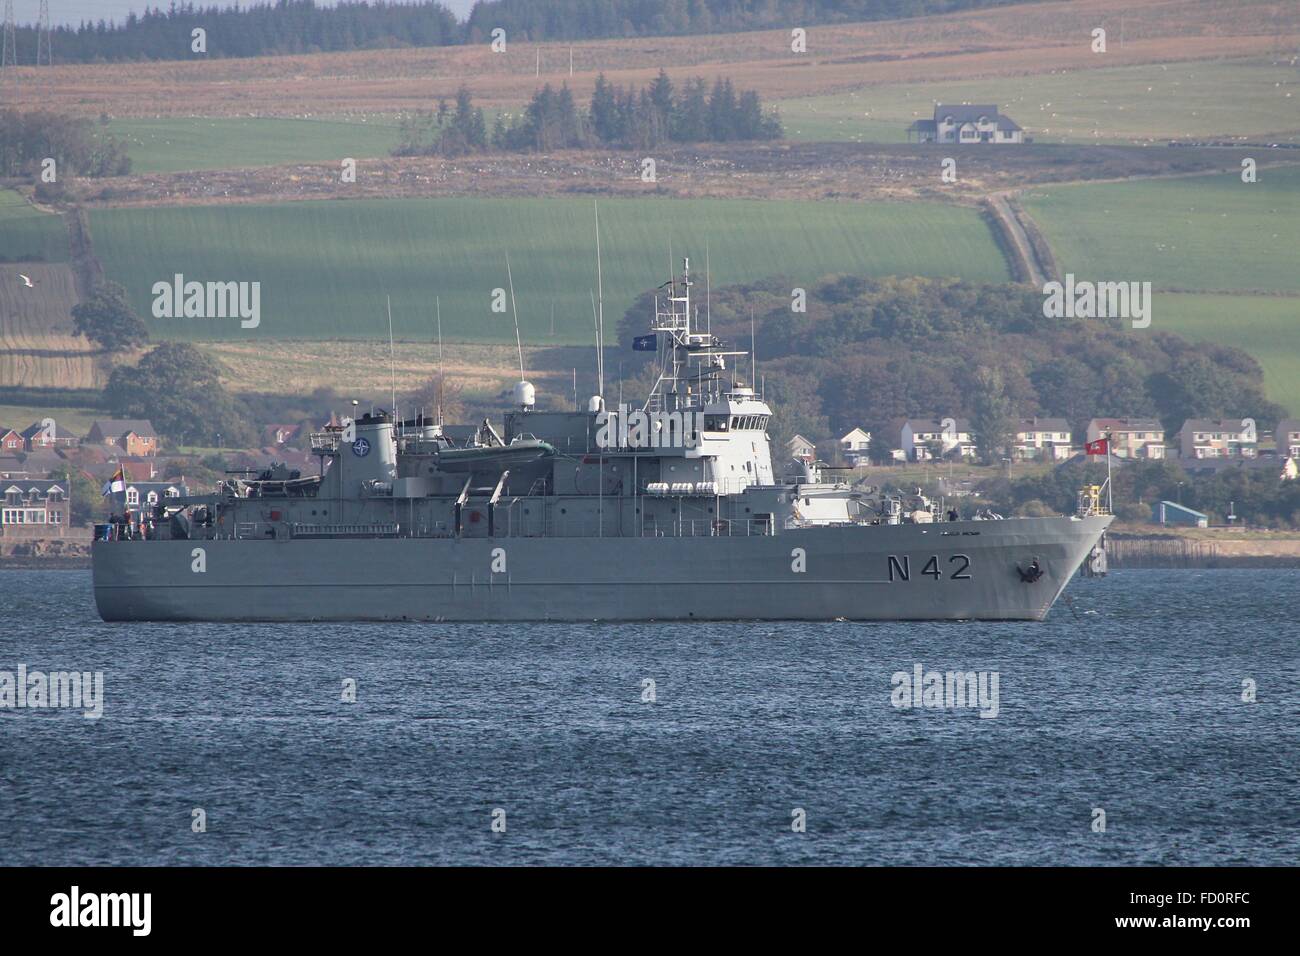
{"type": "Point", "coordinates": [373, 455]}
{"type": "Point", "coordinates": [525, 396]}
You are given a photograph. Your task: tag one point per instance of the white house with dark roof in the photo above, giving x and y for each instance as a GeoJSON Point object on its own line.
{"type": "Point", "coordinates": [1217, 438]}
{"type": "Point", "coordinates": [856, 444]}
{"type": "Point", "coordinates": [1048, 439]}
{"type": "Point", "coordinates": [801, 449]}
{"type": "Point", "coordinates": [967, 124]}
{"type": "Point", "coordinates": [145, 494]}
{"type": "Point", "coordinates": [917, 435]}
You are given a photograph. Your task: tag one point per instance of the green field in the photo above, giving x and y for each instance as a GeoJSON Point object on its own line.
{"type": "Point", "coordinates": [325, 267]}
{"type": "Point", "coordinates": [1202, 233]}
{"type": "Point", "coordinates": [1268, 327]}
{"type": "Point", "coordinates": [68, 420]}
{"type": "Point", "coordinates": [27, 233]}
{"type": "Point", "coordinates": [175, 144]}
{"type": "Point", "coordinates": [1249, 97]}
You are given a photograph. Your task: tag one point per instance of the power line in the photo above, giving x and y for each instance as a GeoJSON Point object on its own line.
{"type": "Point", "coordinates": [9, 53]}
{"type": "Point", "coordinates": [9, 48]}
{"type": "Point", "coordinates": [44, 36]}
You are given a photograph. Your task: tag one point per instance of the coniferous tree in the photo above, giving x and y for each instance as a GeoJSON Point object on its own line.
{"type": "Point", "coordinates": [604, 112]}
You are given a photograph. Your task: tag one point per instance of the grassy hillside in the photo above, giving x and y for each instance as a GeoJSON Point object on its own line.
{"type": "Point", "coordinates": [1203, 233]}
{"type": "Point", "coordinates": [325, 267]}
{"type": "Point", "coordinates": [1268, 327]}
{"type": "Point", "coordinates": [70, 420]}
{"type": "Point", "coordinates": [1213, 234]}
{"type": "Point", "coordinates": [1005, 41]}
{"type": "Point", "coordinates": [29, 234]}
{"type": "Point", "coordinates": [1247, 97]}
{"type": "Point", "coordinates": [183, 143]}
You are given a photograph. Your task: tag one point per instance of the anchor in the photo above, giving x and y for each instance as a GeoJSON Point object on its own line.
{"type": "Point", "coordinates": [1032, 573]}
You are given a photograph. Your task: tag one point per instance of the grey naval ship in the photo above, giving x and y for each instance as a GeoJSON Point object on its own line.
{"type": "Point", "coordinates": [667, 509]}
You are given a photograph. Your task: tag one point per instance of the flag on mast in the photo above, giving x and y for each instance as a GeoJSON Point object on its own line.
{"type": "Point", "coordinates": [116, 484]}
{"type": "Point", "coordinates": [1099, 447]}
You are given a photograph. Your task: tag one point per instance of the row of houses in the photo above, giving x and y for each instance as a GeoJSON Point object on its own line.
{"type": "Point", "coordinates": [132, 436]}
{"type": "Point", "coordinates": [1051, 439]}
{"type": "Point", "coordinates": [41, 507]}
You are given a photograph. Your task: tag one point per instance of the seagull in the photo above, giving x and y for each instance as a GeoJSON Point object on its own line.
{"type": "Point", "coordinates": [26, 280]}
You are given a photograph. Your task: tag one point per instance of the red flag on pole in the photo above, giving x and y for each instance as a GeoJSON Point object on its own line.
{"type": "Point", "coordinates": [1099, 447]}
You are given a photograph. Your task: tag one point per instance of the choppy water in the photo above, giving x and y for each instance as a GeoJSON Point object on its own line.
{"type": "Point", "coordinates": [1130, 702]}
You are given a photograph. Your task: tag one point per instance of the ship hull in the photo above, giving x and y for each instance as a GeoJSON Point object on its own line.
{"type": "Point", "coordinates": [966, 570]}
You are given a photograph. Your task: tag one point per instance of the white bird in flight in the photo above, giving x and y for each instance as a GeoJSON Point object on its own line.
{"type": "Point", "coordinates": [26, 280]}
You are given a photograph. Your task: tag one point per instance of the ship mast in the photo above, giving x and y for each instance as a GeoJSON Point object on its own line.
{"type": "Point", "coordinates": [679, 346]}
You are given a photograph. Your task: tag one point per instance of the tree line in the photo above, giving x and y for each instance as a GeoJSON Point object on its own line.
{"type": "Point", "coordinates": [871, 352]}
{"type": "Point", "coordinates": [282, 27]}
{"type": "Point", "coordinates": [275, 27]}
{"type": "Point", "coordinates": [617, 116]}
{"type": "Point", "coordinates": [591, 19]}
{"type": "Point", "coordinates": [77, 148]}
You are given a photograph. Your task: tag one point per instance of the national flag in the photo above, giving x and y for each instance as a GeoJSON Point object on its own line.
{"type": "Point", "coordinates": [645, 343]}
{"type": "Point", "coordinates": [115, 484]}
{"type": "Point", "coordinates": [1099, 447]}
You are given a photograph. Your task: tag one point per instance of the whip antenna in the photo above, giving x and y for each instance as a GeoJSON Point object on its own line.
{"type": "Point", "coordinates": [518, 344]}
{"type": "Point", "coordinates": [600, 311]}
{"type": "Point", "coordinates": [437, 300]}
{"type": "Point", "coordinates": [392, 356]}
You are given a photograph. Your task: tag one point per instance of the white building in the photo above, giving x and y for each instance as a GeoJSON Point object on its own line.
{"type": "Point", "coordinates": [801, 449]}
{"type": "Point", "coordinates": [856, 445]}
{"type": "Point", "coordinates": [918, 434]}
{"type": "Point", "coordinates": [967, 124]}
{"type": "Point", "coordinates": [1217, 438]}
{"type": "Point", "coordinates": [1048, 439]}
